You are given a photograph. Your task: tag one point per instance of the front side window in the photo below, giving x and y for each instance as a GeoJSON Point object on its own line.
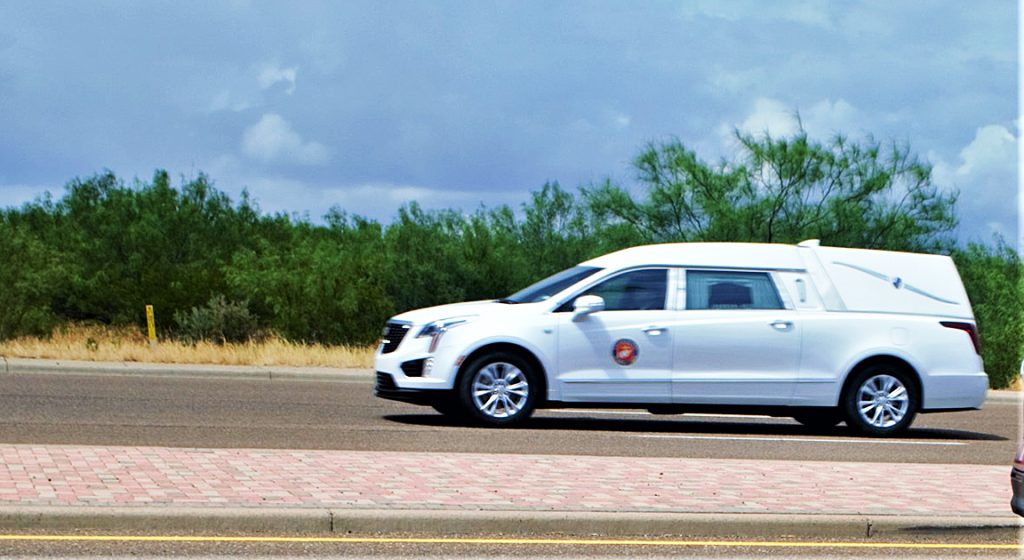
{"type": "Point", "coordinates": [636, 290]}
{"type": "Point", "coordinates": [731, 290]}
{"type": "Point", "coordinates": [551, 285]}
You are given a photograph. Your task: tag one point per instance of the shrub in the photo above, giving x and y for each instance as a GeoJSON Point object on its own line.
{"type": "Point", "coordinates": [28, 275]}
{"type": "Point", "coordinates": [992, 277]}
{"type": "Point", "coordinates": [218, 321]}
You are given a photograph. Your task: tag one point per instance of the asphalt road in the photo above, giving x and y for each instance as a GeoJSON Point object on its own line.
{"type": "Point", "coordinates": [911, 547]}
{"type": "Point", "coordinates": [189, 412]}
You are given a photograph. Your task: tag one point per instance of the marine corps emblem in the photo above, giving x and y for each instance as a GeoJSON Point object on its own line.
{"type": "Point", "coordinates": [625, 352]}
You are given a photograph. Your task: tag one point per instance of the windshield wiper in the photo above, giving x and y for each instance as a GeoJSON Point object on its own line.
{"type": "Point", "coordinates": [506, 300]}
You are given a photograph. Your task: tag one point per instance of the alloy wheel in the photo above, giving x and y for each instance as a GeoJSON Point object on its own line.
{"type": "Point", "coordinates": [882, 401]}
{"type": "Point", "coordinates": [500, 390]}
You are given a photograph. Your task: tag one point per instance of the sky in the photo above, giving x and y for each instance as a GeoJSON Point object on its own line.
{"type": "Point", "coordinates": [369, 105]}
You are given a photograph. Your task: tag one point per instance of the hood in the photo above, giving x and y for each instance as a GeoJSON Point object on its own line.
{"type": "Point", "coordinates": [428, 314]}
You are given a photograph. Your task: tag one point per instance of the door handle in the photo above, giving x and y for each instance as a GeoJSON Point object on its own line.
{"type": "Point", "coordinates": [655, 330]}
{"type": "Point", "coordinates": [782, 325]}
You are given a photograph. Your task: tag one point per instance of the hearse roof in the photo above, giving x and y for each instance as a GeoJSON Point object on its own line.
{"type": "Point", "coordinates": [765, 256]}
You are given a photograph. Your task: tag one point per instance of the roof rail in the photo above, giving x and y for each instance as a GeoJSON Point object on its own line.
{"type": "Point", "coordinates": [809, 243]}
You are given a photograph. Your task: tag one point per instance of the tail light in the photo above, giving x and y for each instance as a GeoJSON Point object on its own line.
{"type": "Point", "coordinates": [969, 328]}
{"type": "Point", "coordinates": [1018, 461]}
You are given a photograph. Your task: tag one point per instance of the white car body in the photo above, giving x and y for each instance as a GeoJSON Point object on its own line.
{"type": "Point", "coordinates": [837, 310]}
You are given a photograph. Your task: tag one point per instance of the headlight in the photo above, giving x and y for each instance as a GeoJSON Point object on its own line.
{"type": "Point", "coordinates": [436, 329]}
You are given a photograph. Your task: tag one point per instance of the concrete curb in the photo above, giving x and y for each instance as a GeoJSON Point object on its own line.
{"type": "Point", "coordinates": [22, 366]}
{"type": "Point", "coordinates": [1004, 396]}
{"type": "Point", "coordinates": [522, 523]}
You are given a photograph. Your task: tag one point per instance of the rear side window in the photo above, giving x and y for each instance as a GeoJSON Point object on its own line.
{"type": "Point", "coordinates": [731, 290]}
{"type": "Point", "coordinates": [636, 290]}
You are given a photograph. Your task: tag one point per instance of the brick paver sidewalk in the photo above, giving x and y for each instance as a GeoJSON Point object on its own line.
{"type": "Point", "coordinates": [158, 476]}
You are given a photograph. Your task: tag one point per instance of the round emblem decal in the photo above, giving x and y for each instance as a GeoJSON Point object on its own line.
{"type": "Point", "coordinates": [625, 352]}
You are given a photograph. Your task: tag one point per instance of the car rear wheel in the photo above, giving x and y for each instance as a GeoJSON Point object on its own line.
{"type": "Point", "coordinates": [881, 400]}
{"type": "Point", "coordinates": [498, 389]}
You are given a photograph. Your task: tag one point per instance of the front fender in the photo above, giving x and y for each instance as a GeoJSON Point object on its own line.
{"type": "Point", "coordinates": [544, 353]}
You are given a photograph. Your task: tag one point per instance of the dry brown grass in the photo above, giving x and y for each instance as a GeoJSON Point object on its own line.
{"type": "Point", "coordinates": [1017, 384]}
{"type": "Point", "coordinates": [119, 344]}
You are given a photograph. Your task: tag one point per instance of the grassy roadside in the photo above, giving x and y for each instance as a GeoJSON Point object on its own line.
{"type": "Point", "coordinates": [121, 344]}
{"type": "Point", "coordinates": [118, 344]}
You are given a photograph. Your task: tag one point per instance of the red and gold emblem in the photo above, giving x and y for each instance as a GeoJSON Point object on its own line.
{"type": "Point", "coordinates": [625, 352]}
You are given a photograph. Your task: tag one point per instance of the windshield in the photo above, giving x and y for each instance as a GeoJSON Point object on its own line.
{"type": "Point", "coordinates": [551, 285]}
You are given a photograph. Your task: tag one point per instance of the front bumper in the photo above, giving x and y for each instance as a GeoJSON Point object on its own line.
{"type": "Point", "coordinates": [411, 349]}
{"type": "Point", "coordinates": [386, 388]}
{"type": "Point", "coordinates": [1017, 483]}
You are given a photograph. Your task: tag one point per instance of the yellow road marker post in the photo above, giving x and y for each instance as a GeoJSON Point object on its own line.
{"type": "Point", "coordinates": [151, 324]}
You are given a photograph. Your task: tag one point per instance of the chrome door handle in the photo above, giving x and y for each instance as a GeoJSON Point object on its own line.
{"type": "Point", "coordinates": [655, 330]}
{"type": "Point", "coordinates": [782, 325]}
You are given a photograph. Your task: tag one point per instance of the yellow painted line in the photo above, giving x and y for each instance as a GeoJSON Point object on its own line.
{"type": "Point", "coordinates": [508, 541]}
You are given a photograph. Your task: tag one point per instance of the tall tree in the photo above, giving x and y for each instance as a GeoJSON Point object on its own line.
{"type": "Point", "coordinates": [844, 192]}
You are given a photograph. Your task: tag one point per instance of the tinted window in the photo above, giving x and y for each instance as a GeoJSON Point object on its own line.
{"type": "Point", "coordinates": [731, 290]}
{"type": "Point", "coordinates": [551, 285]}
{"type": "Point", "coordinates": [640, 289]}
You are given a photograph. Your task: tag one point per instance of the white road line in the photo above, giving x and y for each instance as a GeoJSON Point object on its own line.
{"type": "Point", "coordinates": [615, 412]}
{"type": "Point", "coordinates": [645, 413]}
{"type": "Point", "coordinates": [709, 415]}
{"type": "Point", "coordinates": [800, 440]}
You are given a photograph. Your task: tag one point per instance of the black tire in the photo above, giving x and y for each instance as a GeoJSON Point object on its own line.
{"type": "Point", "coordinates": [819, 419]}
{"type": "Point", "coordinates": [869, 377]}
{"type": "Point", "coordinates": [514, 409]}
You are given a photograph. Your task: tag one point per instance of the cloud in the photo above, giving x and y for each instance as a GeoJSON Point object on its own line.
{"type": "Point", "coordinates": [390, 196]}
{"type": "Point", "coordinates": [993, 150]}
{"type": "Point", "coordinates": [273, 74]}
{"type": "Point", "coordinates": [545, 102]}
{"type": "Point", "coordinates": [735, 80]}
{"type": "Point", "coordinates": [770, 117]}
{"type": "Point", "coordinates": [224, 101]}
{"type": "Point", "coordinates": [621, 120]}
{"type": "Point", "coordinates": [827, 118]}
{"type": "Point", "coordinates": [228, 98]}
{"type": "Point", "coordinates": [273, 139]}
{"type": "Point", "coordinates": [824, 119]}
{"type": "Point", "coordinates": [377, 200]}
{"type": "Point", "coordinates": [986, 175]}
{"type": "Point", "coordinates": [811, 13]}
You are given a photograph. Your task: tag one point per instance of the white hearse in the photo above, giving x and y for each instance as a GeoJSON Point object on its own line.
{"type": "Point", "coordinates": [821, 334]}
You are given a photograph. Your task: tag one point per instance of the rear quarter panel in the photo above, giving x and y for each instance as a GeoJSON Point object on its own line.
{"type": "Point", "coordinates": [834, 343]}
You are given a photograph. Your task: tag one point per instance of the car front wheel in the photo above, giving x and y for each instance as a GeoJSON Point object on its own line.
{"type": "Point", "coordinates": [498, 389]}
{"type": "Point", "coordinates": [881, 400]}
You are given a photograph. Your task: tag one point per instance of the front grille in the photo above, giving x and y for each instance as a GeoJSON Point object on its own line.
{"type": "Point", "coordinates": [386, 382]}
{"type": "Point", "coordinates": [413, 368]}
{"type": "Point", "coordinates": [393, 335]}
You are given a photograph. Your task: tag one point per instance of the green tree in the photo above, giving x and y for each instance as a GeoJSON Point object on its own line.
{"type": "Point", "coordinates": [122, 247]}
{"type": "Point", "coordinates": [323, 285]}
{"type": "Point", "coordinates": [783, 190]}
{"type": "Point", "coordinates": [556, 232]}
{"type": "Point", "coordinates": [994, 283]}
{"type": "Point", "coordinates": [30, 275]}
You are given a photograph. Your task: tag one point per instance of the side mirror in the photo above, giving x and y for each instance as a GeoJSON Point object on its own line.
{"type": "Point", "coordinates": [585, 305]}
